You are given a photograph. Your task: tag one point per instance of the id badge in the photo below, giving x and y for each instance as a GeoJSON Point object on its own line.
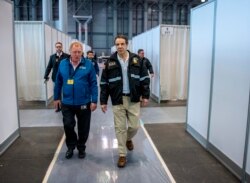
{"type": "Point", "coordinates": [70, 82]}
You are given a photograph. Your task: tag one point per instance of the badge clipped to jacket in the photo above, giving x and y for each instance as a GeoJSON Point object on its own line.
{"type": "Point", "coordinates": [70, 81]}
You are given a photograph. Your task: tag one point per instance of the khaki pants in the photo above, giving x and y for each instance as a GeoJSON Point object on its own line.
{"type": "Point", "coordinates": [126, 119]}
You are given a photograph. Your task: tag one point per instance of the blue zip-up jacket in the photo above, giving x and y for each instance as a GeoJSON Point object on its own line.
{"type": "Point", "coordinates": [79, 87]}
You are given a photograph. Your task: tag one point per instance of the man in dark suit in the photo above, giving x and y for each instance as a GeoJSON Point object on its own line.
{"type": "Point", "coordinates": [146, 62]}
{"type": "Point", "coordinates": [91, 57]}
{"type": "Point", "coordinates": [54, 62]}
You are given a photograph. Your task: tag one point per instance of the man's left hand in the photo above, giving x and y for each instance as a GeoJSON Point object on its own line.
{"type": "Point", "coordinates": [144, 102]}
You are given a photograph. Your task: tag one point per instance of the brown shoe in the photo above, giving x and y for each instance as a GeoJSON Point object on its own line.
{"type": "Point", "coordinates": [121, 162]}
{"type": "Point", "coordinates": [130, 145]}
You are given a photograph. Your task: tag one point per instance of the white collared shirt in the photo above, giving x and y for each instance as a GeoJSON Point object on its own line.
{"type": "Point", "coordinates": [124, 64]}
{"type": "Point", "coordinates": [74, 66]}
{"type": "Point", "coordinates": [59, 54]}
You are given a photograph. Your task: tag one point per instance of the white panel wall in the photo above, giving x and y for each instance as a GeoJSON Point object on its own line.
{"type": "Point", "coordinates": [200, 66]}
{"type": "Point", "coordinates": [30, 60]}
{"type": "Point", "coordinates": [49, 47]}
{"type": "Point", "coordinates": [248, 157]}
{"type": "Point", "coordinates": [39, 44]}
{"type": "Point", "coordinates": [170, 80]}
{"type": "Point", "coordinates": [54, 39]}
{"type": "Point", "coordinates": [64, 43]}
{"type": "Point", "coordinates": [8, 96]}
{"type": "Point", "coordinates": [150, 43]}
{"type": "Point", "coordinates": [231, 85]}
{"type": "Point", "coordinates": [155, 58]}
{"type": "Point", "coordinates": [228, 109]}
{"type": "Point", "coordinates": [174, 50]}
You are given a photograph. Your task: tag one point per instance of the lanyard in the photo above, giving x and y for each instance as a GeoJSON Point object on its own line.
{"type": "Point", "coordinates": [71, 75]}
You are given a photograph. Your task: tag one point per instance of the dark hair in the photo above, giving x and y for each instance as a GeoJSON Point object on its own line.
{"type": "Point", "coordinates": [90, 51]}
{"type": "Point", "coordinates": [122, 37]}
{"type": "Point", "coordinates": [58, 43]}
{"type": "Point", "coordinates": [139, 50]}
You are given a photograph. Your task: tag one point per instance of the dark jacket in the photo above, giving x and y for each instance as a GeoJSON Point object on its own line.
{"type": "Point", "coordinates": [79, 86]}
{"type": "Point", "coordinates": [95, 64]}
{"type": "Point", "coordinates": [54, 62]}
{"type": "Point", "coordinates": [147, 63]}
{"type": "Point", "coordinates": [112, 81]}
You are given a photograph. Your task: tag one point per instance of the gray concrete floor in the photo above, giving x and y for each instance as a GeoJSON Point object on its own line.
{"type": "Point", "coordinates": [165, 125]}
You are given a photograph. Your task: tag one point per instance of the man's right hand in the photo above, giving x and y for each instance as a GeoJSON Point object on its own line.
{"type": "Point", "coordinates": [46, 80]}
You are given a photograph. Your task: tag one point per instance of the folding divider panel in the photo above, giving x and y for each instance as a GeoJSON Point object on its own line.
{"type": "Point", "coordinates": [54, 39]}
{"type": "Point", "coordinates": [154, 50]}
{"type": "Point", "coordinates": [59, 36]}
{"type": "Point", "coordinates": [9, 125]}
{"type": "Point", "coordinates": [174, 46]}
{"type": "Point", "coordinates": [48, 51]}
{"type": "Point", "coordinates": [231, 84]}
{"type": "Point", "coordinates": [201, 51]}
{"type": "Point", "coordinates": [248, 160]}
{"type": "Point", "coordinates": [157, 49]}
{"type": "Point", "coordinates": [30, 60]}
{"type": "Point", "coordinates": [148, 49]}
{"type": "Point", "coordinates": [64, 42]}
{"type": "Point", "coordinates": [35, 42]}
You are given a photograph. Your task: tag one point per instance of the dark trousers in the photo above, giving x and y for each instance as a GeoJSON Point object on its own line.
{"type": "Point", "coordinates": [83, 115]}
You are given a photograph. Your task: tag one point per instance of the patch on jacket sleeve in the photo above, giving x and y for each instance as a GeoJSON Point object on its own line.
{"type": "Point", "coordinates": [135, 60]}
{"type": "Point", "coordinates": [112, 64]}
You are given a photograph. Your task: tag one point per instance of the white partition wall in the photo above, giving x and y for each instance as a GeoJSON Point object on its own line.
{"type": "Point", "coordinates": [49, 48]}
{"type": "Point", "coordinates": [248, 153]}
{"type": "Point", "coordinates": [230, 95]}
{"type": "Point", "coordinates": [155, 55]}
{"type": "Point", "coordinates": [200, 68]}
{"type": "Point", "coordinates": [166, 46]}
{"type": "Point", "coordinates": [224, 106]}
{"type": "Point", "coordinates": [9, 124]}
{"type": "Point", "coordinates": [35, 42]}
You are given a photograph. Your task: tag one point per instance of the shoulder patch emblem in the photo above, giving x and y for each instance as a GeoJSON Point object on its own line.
{"type": "Point", "coordinates": [135, 60]}
{"type": "Point", "coordinates": [112, 64]}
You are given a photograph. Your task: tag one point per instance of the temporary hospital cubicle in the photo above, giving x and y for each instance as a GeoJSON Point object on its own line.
{"type": "Point", "coordinates": [9, 123]}
{"type": "Point", "coordinates": [35, 42]}
{"type": "Point", "coordinates": [218, 113]}
{"type": "Point", "coordinates": [167, 48]}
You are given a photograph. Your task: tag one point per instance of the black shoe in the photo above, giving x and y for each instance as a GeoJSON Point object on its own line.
{"type": "Point", "coordinates": [81, 154]}
{"type": "Point", "coordinates": [69, 153]}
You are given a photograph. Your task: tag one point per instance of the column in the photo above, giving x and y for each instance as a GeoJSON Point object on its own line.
{"type": "Point", "coordinates": [174, 13]}
{"type": "Point", "coordinates": [63, 16]}
{"type": "Point", "coordinates": [33, 10]}
{"type": "Point", "coordinates": [114, 18]}
{"type": "Point", "coordinates": [130, 20]}
{"type": "Point", "coordinates": [160, 12]}
{"type": "Point", "coordinates": [17, 9]}
{"type": "Point", "coordinates": [47, 11]}
{"type": "Point", "coordinates": [145, 16]}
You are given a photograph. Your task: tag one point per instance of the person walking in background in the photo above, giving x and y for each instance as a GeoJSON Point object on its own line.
{"type": "Point", "coordinates": [91, 57]}
{"type": "Point", "coordinates": [54, 62]}
{"type": "Point", "coordinates": [77, 79]}
{"type": "Point", "coordinates": [126, 80]}
{"type": "Point", "coordinates": [146, 62]}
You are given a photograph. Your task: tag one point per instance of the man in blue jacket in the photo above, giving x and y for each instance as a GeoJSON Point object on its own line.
{"type": "Point", "coordinates": [76, 78]}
